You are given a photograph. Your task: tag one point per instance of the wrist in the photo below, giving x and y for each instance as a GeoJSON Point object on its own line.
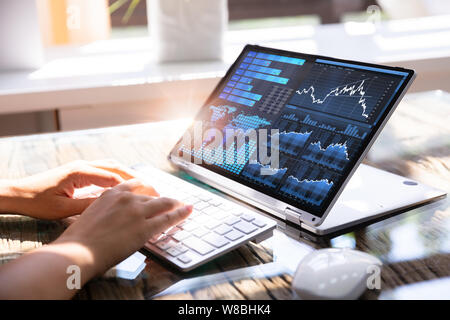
{"type": "Point", "coordinates": [92, 257]}
{"type": "Point", "coordinates": [76, 254]}
{"type": "Point", "coordinates": [10, 196]}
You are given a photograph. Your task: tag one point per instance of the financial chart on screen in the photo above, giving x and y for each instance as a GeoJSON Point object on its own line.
{"type": "Point", "coordinates": [323, 113]}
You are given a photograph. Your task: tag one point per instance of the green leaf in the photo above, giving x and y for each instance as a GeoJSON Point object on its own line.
{"type": "Point", "coordinates": [130, 10]}
{"type": "Point", "coordinates": [116, 5]}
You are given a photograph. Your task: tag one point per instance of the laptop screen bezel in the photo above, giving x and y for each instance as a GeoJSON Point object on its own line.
{"type": "Point", "coordinates": [316, 218]}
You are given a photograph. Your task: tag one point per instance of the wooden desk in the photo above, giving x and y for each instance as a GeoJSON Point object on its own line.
{"type": "Point", "coordinates": [414, 246]}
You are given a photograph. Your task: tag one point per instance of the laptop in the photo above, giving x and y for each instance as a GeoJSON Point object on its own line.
{"type": "Point", "coordinates": [284, 132]}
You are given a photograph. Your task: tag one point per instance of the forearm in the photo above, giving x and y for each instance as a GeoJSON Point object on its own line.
{"type": "Point", "coordinates": [9, 197]}
{"type": "Point", "coordinates": [43, 273]}
{"type": "Point", "coordinates": [18, 196]}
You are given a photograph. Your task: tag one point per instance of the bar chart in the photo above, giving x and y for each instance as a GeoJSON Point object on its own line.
{"type": "Point", "coordinates": [256, 66]}
{"type": "Point", "coordinates": [233, 158]}
{"type": "Point", "coordinates": [325, 122]}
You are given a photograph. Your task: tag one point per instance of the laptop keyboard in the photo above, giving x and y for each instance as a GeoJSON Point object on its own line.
{"type": "Point", "coordinates": [215, 226]}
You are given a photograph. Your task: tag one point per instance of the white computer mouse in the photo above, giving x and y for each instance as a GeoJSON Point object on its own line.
{"type": "Point", "coordinates": [334, 274]}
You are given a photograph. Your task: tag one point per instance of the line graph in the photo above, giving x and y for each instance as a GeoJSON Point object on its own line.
{"type": "Point", "coordinates": [291, 142]}
{"type": "Point", "coordinates": [312, 191]}
{"type": "Point", "coordinates": [353, 89]}
{"type": "Point", "coordinates": [324, 141]}
{"type": "Point", "coordinates": [334, 156]}
{"type": "Point", "coordinates": [252, 172]}
{"type": "Point", "coordinates": [308, 183]}
{"type": "Point", "coordinates": [351, 94]}
{"type": "Point", "coordinates": [294, 117]}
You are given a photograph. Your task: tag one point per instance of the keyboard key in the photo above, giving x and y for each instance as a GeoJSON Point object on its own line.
{"type": "Point", "coordinates": [172, 231]}
{"type": "Point", "coordinates": [157, 238]}
{"type": "Point", "coordinates": [234, 235]}
{"type": "Point", "coordinates": [201, 205]}
{"type": "Point", "coordinates": [226, 207]}
{"type": "Point", "coordinates": [198, 245]}
{"type": "Point", "coordinates": [184, 258]}
{"type": "Point", "coordinates": [205, 197]}
{"type": "Point", "coordinates": [165, 192]}
{"type": "Point", "coordinates": [222, 229]}
{"type": "Point", "coordinates": [220, 215]}
{"type": "Point", "coordinates": [232, 220]}
{"type": "Point", "coordinates": [165, 244]}
{"type": "Point", "coordinates": [182, 223]}
{"type": "Point", "coordinates": [211, 224]}
{"type": "Point", "coordinates": [215, 202]}
{"type": "Point", "coordinates": [192, 200]}
{"type": "Point", "coordinates": [180, 195]}
{"type": "Point", "coordinates": [181, 235]}
{"type": "Point", "coordinates": [181, 187]}
{"type": "Point", "coordinates": [191, 225]}
{"type": "Point", "coordinates": [210, 210]}
{"type": "Point", "coordinates": [245, 227]}
{"type": "Point", "coordinates": [259, 223]}
{"type": "Point", "coordinates": [194, 191]}
{"type": "Point", "coordinates": [195, 213]}
{"type": "Point", "coordinates": [200, 232]}
{"type": "Point", "coordinates": [180, 247]}
{"type": "Point", "coordinates": [247, 217]}
{"type": "Point", "coordinates": [237, 212]}
{"type": "Point", "coordinates": [173, 252]}
{"type": "Point", "coordinates": [202, 219]}
{"type": "Point", "coordinates": [215, 240]}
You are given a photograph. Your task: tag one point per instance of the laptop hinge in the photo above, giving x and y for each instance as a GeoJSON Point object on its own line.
{"type": "Point", "coordinates": [182, 163]}
{"type": "Point", "coordinates": [292, 216]}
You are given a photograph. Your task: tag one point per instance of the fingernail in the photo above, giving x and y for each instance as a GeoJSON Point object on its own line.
{"type": "Point", "coordinates": [189, 207]}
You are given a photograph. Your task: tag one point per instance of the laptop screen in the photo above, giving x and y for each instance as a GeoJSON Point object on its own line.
{"type": "Point", "coordinates": [292, 125]}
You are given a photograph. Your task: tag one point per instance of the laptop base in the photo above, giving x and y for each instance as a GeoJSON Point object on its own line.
{"type": "Point", "coordinates": [370, 194]}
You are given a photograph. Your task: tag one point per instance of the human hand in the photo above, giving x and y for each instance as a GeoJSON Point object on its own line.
{"type": "Point", "coordinates": [50, 194]}
{"type": "Point", "coordinates": [120, 222]}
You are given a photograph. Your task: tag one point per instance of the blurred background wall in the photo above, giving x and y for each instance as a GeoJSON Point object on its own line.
{"type": "Point", "coordinates": [97, 70]}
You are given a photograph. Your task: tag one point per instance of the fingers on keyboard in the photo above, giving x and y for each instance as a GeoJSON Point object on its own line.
{"type": "Point", "coordinates": [214, 225]}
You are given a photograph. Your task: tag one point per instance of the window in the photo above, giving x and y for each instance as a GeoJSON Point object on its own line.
{"type": "Point", "coordinates": [245, 14]}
